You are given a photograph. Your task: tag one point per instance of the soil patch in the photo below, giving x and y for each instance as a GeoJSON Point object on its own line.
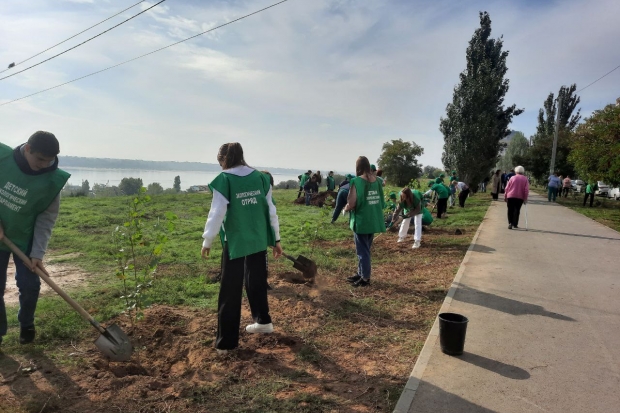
{"type": "Point", "coordinates": [65, 275]}
{"type": "Point", "coordinates": [335, 348]}
{"type": "Point", "coordinates": [322, 198]}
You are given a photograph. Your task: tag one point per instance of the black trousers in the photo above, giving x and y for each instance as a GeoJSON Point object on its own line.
{"type": "Point", "coordinates": [463, 197]}
{"type": "Point", "coordinates": [442, 206]}
{"type": "Point", "coordinates": [514, 209]}
{"type": "Point", "coordinates": [301, 190]}
{"type": "Point", "coordinates": [586, 198]}
{"type": "Point", "coordinates": [251, 269]}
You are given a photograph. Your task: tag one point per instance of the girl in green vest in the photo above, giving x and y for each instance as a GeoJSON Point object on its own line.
{"type": "Point", "coordinates": [331, 184]}
{"type": "Point", "coordinates": [30, 184]}
{"type": "Point", "coordinates": [411, 206]}
{"type": "Point", "coordinates": [243, 214]}
{"type": "Point", "coordinates": [366, 204]}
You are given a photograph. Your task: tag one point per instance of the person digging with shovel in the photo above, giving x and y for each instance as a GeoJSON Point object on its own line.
{"type": "Point", "coordinates": [30, 185]}
{"type": "Point", "coordinates": [411, 206]}
{"type": "Point", "coordinates": [243, 214]}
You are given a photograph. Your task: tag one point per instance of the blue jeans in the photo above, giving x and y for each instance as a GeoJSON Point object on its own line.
{"type": "Point", "coordinates": [363, 242]}
{"type": "Point", "coordinates": [341, 202]}
{"type": "Point", "coordinates": [308, 197]}
{"type": "Point", "coordinates": [28, 284]}
{"type": "Point", "coordinates": [551, 193]}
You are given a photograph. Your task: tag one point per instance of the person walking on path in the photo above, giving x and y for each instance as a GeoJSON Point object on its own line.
{"type": "Point", "coordinates": [410, 205]}
{"type": "Point", "coordinates": [590, 190]}
{"type": "Point", "coordinates": [331, 184]}
{"type": "Point", "coordinates": [341, 198]}
{"type": "Point", "coordinates": [302, 181]}
{"type": "Point", "coordinates": [242, 203]}
{"type": "Point", "coordinates": [517, 191]}
{"type": "Point", "coordinates": [496, 185]}
{"type": "Point", "coordinates": [553, 186]}
{"type": "Point", "coordinates": [443, 193]}
{"type": "Point", "coordinates": [366, 203]}
{"type": "Point", "coordinates": [566, 186]}
{"type": "Point", "coordinates": [463, 189]}
{"type": "Point", "coordinates": [30, 185]}
{"type": "Point", "coordinates": [311, 187]}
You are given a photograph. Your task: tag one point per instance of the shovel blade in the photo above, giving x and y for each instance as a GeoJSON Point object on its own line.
{"type": "Point", "coordinates": [307, 267]}
{"type": "Point", "coordinates": [114, 344]}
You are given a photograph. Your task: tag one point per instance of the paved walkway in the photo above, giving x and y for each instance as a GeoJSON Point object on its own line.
{"type": "Point", "coordinates": [544, 329]}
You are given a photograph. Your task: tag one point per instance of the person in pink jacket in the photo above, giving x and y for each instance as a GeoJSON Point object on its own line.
{"type": "Point", "coordinates": [515, 196]}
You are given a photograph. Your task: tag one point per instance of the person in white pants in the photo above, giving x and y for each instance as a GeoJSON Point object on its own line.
{"type": "Point", "coordinates": [411, 206]}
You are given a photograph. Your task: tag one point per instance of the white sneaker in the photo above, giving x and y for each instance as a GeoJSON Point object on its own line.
{"type": "Point", "coordinates": [401, 239]}
{"type": "Point", "coordinates": [260, 328]}
{"type": "Point", "coordinates": [221, 352]}
{"type": "Point", "coordinates": [416, 245]}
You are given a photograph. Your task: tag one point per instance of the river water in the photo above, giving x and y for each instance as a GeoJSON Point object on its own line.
{"type": "Point", "coordinates": [112, 177]}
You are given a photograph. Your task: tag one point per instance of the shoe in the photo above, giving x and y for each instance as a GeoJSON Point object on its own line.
{"type": "Point", "coordinates": [354, 278]}
{"type": "Point", "coordinates": [260, 328]}
{"type": "Point", "coordinates": [401, 239]}
{"type": "Point", "coordinates": [515, 226]}
{"type": "Point", "coordinates": [509, 226]}
{"type": "Point", "coordinates": [26, 335]}
{"type": "Point", "coordinates": [416, 245]}
{"type": "Point", "coordinates": [269, 287]}
{"type": "Point", "coordinates": [221, 352]}
{"type": "Point", "coordinates": [361, 283]}
{"type": "Point", "coordinates": [217, 278]}
{"type": "Point", "coordinates": [0, 340]}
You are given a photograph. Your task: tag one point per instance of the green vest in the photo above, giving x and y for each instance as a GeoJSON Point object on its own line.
{"type": "Point", "coordinates": [367, 217]}
{"type": "Point", "coordinates": [247, 227]}
{"type": "Point", "coordinates": [442, 191]}
{"type": "Point", "coordinates": [23, 197]}
{"type": "Point", "coordinates": [331, 184]}
{"type": "Point", "coordinates": [304, 179]}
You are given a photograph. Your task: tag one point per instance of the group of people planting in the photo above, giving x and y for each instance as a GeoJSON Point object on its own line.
{"type": "Point", "coordinates": [242, 215]}
{"type": "Point", "coordinates": [309, 184]}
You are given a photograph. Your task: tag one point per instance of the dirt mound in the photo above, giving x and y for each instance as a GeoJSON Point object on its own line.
{"type": "Point", "coordinates": [322, 198]}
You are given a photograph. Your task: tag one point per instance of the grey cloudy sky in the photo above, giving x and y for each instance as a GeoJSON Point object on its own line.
{"type": "Point", "coordinates": [307, 84]}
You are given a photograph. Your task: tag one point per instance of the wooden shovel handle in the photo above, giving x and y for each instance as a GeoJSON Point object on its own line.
{"type": "Point", "coordinates": [53, 285]}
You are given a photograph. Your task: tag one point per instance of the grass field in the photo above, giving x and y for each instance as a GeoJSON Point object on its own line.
{"type": "Point", "coordinates": [605, 211]}
{"type": "Point", "coordinates": [335, 348]}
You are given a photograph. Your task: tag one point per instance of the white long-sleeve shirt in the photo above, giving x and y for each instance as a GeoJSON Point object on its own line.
{"type": "Point", "coordinates": [219, 206]}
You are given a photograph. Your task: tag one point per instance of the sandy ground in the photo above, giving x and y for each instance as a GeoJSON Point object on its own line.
{"type": "Point", "coordinates": [65, 275]}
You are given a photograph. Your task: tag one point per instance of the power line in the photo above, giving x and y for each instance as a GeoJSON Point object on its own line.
{"type": "Point", "coordinates": [617, 67]}
{"type": "Point", "coordinates": [58, 44]}
{"type": "Point", "coordinates": [85, 41]}
{"type": "Point", "coordinates": [150, 53]}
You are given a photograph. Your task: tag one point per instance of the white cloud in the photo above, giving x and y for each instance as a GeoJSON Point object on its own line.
{"type": "Point", "coordinates": [305, 84]}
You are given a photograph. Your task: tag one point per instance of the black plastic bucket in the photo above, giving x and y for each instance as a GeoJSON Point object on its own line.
{"type": "Point", "coordinates": [452, 329]}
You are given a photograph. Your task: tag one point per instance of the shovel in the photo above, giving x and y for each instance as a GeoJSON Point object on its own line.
{"type": "Point", "coordinates": [303, 264]}
{"type": "Point", "coordinates": [113, 342]}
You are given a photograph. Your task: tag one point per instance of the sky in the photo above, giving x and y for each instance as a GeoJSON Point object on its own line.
{"type": "Point", "coordinates": [308, 84]}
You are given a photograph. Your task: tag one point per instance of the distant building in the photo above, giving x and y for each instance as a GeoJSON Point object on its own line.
{"type": "Point", "coordinates": [199, 188]}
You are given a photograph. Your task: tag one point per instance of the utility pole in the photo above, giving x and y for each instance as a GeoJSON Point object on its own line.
{"type": "Point", "coordinates": [555, 137]}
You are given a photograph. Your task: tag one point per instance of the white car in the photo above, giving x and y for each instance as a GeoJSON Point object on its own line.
{"type": "Point", "coordinates": [578, 185]}
{"type": "Point", "coordinates": [615, 194]}
{"type": "Point", "coordinates": [603, 189]}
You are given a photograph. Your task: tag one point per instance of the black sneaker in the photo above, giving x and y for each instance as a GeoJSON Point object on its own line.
{"type": "Point", "coordinates": [509, 226]}
{"type": "Point", "coordinates": [361, 283]}
{"type": "Point", "coordinates": [515, 226]}
{"type": "Point", "coordinates": [354, 278]}
{"type": "Point", "coordinates": [26, 335]}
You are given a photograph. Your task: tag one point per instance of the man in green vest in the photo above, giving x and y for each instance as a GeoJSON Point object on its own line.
{"type": "Point", "coordinates": [303, 178]}
{"type": "Point", "coordinates": [443, 193]}
{"type": "Point", "coordinates": [331, 184]}
{"type": "Point", "coordinates": [30, 185]}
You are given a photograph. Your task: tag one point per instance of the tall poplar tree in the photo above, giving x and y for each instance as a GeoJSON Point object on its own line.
{"type": "Point", "coordinates": [477, 120]}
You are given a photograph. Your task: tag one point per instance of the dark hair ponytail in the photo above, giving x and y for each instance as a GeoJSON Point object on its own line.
{"type": "Point", "coordinates": [231, 155]}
